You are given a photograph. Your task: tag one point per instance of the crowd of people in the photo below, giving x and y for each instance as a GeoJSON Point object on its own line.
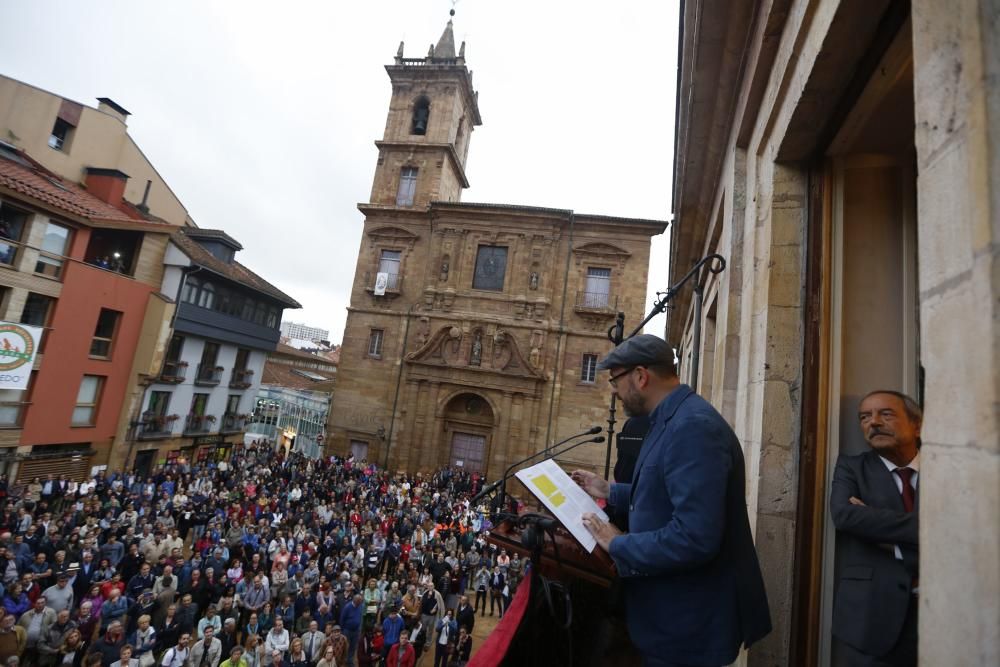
{"type": "Point", "coordinates": [260, 560]}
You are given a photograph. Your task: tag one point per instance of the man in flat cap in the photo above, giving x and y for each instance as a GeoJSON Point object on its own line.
{"type": "Point", "coordinates": [693, 589]}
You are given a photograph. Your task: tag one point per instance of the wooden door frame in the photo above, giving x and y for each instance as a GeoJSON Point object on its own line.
{"type": "Point", "coordinates": [807, 600]}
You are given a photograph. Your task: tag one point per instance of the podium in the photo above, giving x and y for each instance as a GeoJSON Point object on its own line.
{"type": "Point", "coordinates": [561, 559]}
{"type": "Point", "coordinates": [567, 613]}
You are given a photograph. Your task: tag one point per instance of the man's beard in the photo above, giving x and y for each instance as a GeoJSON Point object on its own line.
{"type": "Point", "coordinates": [632, 403]}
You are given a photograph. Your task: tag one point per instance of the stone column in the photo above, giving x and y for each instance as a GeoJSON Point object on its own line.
{"type": "Point", "coordinates": [425, 451]}
{"type": "Point", "coordinates": [501, 449]}
{"type": "Point", "coordinates": [956, 57]}
{"type": "Point", "coordinates": [411, 424]}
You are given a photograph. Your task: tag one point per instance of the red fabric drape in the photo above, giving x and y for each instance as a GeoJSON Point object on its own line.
{"type": "Point", "coordinates": [495, 647]}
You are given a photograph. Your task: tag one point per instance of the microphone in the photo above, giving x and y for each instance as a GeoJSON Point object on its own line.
{"type": "Point", "coordinates": [507, 475]}
{"type": "Point", "coordinates": [487, 490]}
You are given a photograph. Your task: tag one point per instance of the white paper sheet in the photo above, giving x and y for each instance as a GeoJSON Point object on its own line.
{"type": "Point", "coordinates": [563, 497]}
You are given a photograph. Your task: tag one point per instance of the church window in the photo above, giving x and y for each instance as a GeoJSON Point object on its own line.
{"type": "Point", "coordinates": [421, 114]}
{"type": "Point", "coordinates": [375, 343]}
{"type": "Point", "coordinates": [588, 369]}
{"type": "Point", "coordinates": [491, 267]}
{"type": "Point", "coordinates": [598, 287]}
{"type": "Point", "coordinates": [407, 186]}
{"type": "Point", "coordinates": [388, 263]}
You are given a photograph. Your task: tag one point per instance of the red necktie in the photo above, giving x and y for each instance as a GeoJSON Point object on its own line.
{"type": "Point", "coordinates": [906, 475]}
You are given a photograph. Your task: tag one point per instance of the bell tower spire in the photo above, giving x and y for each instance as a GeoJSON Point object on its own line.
{"type": "Point", "coordinates": [432, 113]}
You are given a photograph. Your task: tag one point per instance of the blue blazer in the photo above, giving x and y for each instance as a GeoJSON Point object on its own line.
{"type": "Point", "coordinates": [692, 583]}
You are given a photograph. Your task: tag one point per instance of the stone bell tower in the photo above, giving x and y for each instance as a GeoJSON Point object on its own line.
{"type": "Point", "coordinates": [432, 112]}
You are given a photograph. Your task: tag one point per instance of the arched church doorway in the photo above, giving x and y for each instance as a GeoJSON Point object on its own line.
{"type": "Point", "coordinates": [469, 423]}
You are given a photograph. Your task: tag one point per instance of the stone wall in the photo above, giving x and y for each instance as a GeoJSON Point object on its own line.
{"type": "Point", "coordinates": [957, 84]}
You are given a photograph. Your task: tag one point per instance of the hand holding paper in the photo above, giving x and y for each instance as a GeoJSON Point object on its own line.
{"type": "Point", "coordinates": [564, 498]}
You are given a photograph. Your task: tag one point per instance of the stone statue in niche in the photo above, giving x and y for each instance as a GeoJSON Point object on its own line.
{"type": "Point", "coordinates": [444, 270]}
{"type": "Point", "coordinates": [535, 357]}
{"type": "Point", "coordinates": [477, 350]}
{"type": "Point", "coordinates": [533, 280]}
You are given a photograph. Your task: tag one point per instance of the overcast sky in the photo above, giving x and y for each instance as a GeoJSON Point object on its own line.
{"type": "Point", "coordinates": [262, 116]}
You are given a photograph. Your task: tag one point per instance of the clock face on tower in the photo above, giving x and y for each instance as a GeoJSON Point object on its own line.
{"type": "Point", "coordinates": [491, 267]}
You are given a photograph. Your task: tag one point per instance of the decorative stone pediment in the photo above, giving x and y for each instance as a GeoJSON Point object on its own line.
{"type": "Point", "coordinates": [391, 234]}
{"type": "Point", "coordinates": [477, 350]}
{"type": "Point", "coordinates": [604, 252]}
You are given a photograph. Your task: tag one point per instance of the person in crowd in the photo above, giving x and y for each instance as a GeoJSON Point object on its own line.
{"type": "Point", "coordinates": [338, 642]}
{"type": "Point", "coordinates": [692, 584]}
{"type": "Point", "coordinates": [13, 638]}
{"type": "Point", "coordinates": [177, 655]}
{"type": "Point", "coordinates": [72, 650]}
{"type": "Point", "coordinates": [444, 643]}
{"type": "Point", "coordinates": [327, 659]}
{"type": "Point", "coordinates": [463, 647]}
{"type": "Point", "coordinates": [874, 502]}
{"type": "Point", "coordinates": [465, 615]}
{"type": "Point", "coordinates": [109, 646]}
{"type": "Point", "coordinates": [402, 655]}
{"type": "Point", "coordinates": [207, 651]}
{"type": "Point", "coordinates": [235, 658]}
{"type": "Point", "coordinates": [253, 651]}
{"type": "Point", "coordinates": [36, 623]}
{"type": "Point", "coordinates": [316, 534]}
{"type": "Point", "coordinates": [60, 596]}
{"type": "Point", "coordinates": [276, 642]}
{"type": "Point", "coordinates": [50, 643]}
{"type": "Point", "coordinates": [312, 641]}
{"type": "Point", "coordinates": [125, 658]}
{"type": "Point", "coordinates": [497, 583]}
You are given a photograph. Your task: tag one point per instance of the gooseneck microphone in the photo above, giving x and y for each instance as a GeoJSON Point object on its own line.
{"type": "Point", "coordinates": [547, 453]}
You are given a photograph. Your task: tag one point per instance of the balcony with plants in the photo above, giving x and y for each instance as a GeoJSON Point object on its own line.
{"type": "Point", "coordinates": [197, 424]}
{"type": "Point", "coordinates": [174, 372]}
{"type": "Point", "coordinates": [241, 378]}
{"type": "Point", "coordinates": [155, 426]}
{"type": "Point", "coordinates": [209, 375]}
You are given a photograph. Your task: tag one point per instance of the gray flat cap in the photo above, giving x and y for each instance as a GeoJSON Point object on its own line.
{"type": "Point", "coordinates": [641, 350]}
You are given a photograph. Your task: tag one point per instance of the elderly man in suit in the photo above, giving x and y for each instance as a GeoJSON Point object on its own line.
{"type": "Point", "coordinates": [694, 593]}
{"type": "Point", "coordinates": [874, 503]}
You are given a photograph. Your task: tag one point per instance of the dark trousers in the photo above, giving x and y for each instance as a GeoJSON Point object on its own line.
{"type": "Point", "coordinates": [440, 654]}
{"type": "Point", "coordinates": [903, 654]}
{"type": "Point", "coordinates": [481, 597]}
{"type": "Point", "coordinates": [496, 599]}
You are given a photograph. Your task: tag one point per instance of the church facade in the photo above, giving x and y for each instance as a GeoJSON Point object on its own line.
{"type": "Point", "coordinates": [474, 330]}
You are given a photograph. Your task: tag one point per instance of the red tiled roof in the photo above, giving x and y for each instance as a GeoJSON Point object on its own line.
{"type": "Point", "coordinates": [24, 176]}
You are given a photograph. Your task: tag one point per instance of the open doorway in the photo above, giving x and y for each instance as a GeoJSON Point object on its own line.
{"type": "Point", "coordinates": [871, 335]}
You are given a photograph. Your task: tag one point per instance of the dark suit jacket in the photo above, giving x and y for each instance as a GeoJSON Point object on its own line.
{"type": "Point", "coordinates": [873, 587]}
{"type": "Point", "coordinates": [693, 587]}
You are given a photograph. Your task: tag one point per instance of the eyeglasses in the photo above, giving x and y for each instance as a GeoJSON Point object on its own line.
{"type": "Point", "coordinates": [613, 380]}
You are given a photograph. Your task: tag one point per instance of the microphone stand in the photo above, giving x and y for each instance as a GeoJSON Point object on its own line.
{"type": "Point", "coordinates": [543, 453]}
{"type": "Point", "coordinates": [502, 482]}
{"type": "Point", "coordinates": [615, 332]}
{"type": "Point", "coordinates": [546, 455]}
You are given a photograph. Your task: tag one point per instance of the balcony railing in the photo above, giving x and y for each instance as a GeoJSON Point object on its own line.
{"type": "Point", "coordinates": [196, 423]}
{"type": "Point", "coordinates": [174, 371]}
{"type": "Point", "coordinates": [393, 285]}
{"type": "Point", "coordinates": [208, 374]}
{"type": "Point", "coordinates": [596, 302]}
{"type": "Point", "coordinates": [156, 426]}
{"type": "Point", "coordinates": [241, 378]}
{"type": "Point", "coordinates": [233, 423]}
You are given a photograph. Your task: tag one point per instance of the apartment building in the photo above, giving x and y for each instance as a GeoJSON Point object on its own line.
{"type": "Point", "coordinates": [227, 320]}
